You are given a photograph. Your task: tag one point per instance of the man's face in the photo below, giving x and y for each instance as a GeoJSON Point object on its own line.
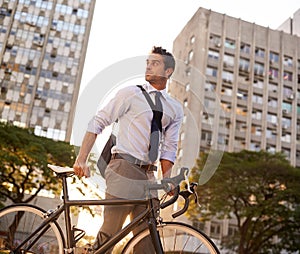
{"type": "Point", "coordinates": [155, 69]}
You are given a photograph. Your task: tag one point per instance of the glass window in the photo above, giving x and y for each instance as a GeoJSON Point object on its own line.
{"type": "Point", "coordinates": [245, 48]}
{"type": "Point", "coordinates": [272, 102]}
{"type": "Point", "coordinates": [273, 73]}
{"type": "Point", "coordinates": [257, 115]}
{"type": "Point", "coordinates": [258, 83]}
{"type": "Point", "coordinates": [288, 76]}
{"type": "Point", "coordinates": [272, 87]}
{"type": "Point", "coordinates": [228, 60]}
{"type": "Point", "coordinates": [213, 54]}
{"type": "Point", "coordinates": [216, 40]}
{"type": "Point", "coordinates": [288, 61]}
{"type": "Point", "coordinates": [272, 118]}
{"type": "Point", "coordinates": [274, 57]}
{"type": "Point", "coordinates": [210, 86]}
{"type": "Point", "coordinates": [260, 52]}
{"type": "Point", "coordinates": [192, 40]}
{"type": "Point", "coordinates": [244, 64]}
{"type": "Point", "coordinates": [286, 107]}
{"type": "Point", "coordinates": [259, 69]}
{"type": "Point", "coordinates": [211, 71]}
{"type": "Point", "coordinates": [226, 91]}
{"type": "Point", "coordinates": [230, 44]}
{"type": "Point", "coordinates": [227, 76]}
{"type": "Point", "coordinates": [257, 99]}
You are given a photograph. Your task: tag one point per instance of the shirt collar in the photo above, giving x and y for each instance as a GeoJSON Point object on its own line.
{"type": "Point", "coordinates": [150, 89]}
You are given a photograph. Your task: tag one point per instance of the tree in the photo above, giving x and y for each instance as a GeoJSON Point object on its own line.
{"type": "Point", "coordinates": [23, 163]}
{"type": "Point", "coordinates": [261, 191]}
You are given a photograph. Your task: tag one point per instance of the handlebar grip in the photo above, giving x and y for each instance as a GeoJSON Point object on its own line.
{"type": "Point", "coordinates": [172, 199]}
{"type": "Point", "coordinates": [183, 210]}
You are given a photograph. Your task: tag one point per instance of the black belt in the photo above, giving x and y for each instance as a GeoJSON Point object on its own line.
{"type": "Point", "coordinates": [135, 161]}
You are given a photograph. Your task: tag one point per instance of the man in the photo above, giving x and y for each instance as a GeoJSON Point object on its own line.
{"type": "Point", "coordinates": [131, 165]}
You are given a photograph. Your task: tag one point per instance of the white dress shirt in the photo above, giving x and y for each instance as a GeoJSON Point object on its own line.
{"type": "Point", "coordinates": [134, 115]}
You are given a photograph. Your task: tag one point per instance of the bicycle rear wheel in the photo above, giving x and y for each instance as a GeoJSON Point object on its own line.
{"type": "Point", "coordinates": [177, 238]}
{"type": "Point", "coordinates": [17, 222]}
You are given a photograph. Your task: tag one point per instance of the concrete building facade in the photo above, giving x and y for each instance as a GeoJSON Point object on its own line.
{"type": "Point", "coordinates": [240, 86]}
{"type": "Point", "coordinates": [42, 51]}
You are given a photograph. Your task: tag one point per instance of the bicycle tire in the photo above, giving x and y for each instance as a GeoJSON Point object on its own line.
{"type": "Point", "coordinates": [51, 241]}
{"type": "Point", "coordinates": [177, 237]}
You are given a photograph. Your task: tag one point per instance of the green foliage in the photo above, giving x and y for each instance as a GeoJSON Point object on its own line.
{"type": "Point", "coordinates": [261, 192]}
{"type": "Point", "coordinates": [23, 163]}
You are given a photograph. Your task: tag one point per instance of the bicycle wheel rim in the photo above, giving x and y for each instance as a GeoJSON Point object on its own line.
{"type": "Point", "coordinates": [50, 241]}
{"type": "Point", "coordinates": [177, 238]}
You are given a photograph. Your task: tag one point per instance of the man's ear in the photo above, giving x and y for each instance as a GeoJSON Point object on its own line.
{"type": "Point", "coordinates": [169, 72]}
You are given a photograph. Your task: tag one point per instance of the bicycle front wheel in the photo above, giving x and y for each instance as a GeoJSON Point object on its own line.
{"type": "Point", "coordinates": [17, 222]}
{"type": "Point", "coordinates": [176, 238]}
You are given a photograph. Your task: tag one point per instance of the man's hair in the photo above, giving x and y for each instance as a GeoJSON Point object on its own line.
{"type": "Point", "coordinates": [169, 60]}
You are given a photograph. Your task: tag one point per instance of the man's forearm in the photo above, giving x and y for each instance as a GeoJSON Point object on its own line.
{"type": "Point", "coordinates": [86, 147]}
{"type": "Point", "coordinates": [166, 167]}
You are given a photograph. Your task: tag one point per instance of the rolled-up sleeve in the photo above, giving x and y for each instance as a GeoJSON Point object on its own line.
{"type": "Point", "coordinates": [171, 136]}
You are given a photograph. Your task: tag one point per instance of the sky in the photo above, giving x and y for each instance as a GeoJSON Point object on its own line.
{"type": "Point", "coordinates": [124, 29]}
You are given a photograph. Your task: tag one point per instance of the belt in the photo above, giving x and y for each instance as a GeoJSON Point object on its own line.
{"type": "Point", "coordinates": [135, 161]}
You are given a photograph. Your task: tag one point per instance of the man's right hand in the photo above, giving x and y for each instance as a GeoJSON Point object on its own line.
{"type": "Point", "coordinates": [81, 169]}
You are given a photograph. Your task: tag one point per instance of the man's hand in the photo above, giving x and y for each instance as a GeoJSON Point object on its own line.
{"type": "Point", "coordinates": [81, 169]}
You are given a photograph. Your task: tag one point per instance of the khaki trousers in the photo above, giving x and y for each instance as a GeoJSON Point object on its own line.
{"type": "Point", "coordinates": [124, 180]}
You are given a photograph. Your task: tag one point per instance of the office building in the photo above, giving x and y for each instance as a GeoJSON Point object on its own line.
{"type": "Point", "coordinates": [42, 51]}
{"type": "Point", "coordinates": [240, 85]}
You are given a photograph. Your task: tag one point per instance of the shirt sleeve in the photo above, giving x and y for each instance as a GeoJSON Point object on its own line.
{"type": "Point", "coordinates": [171, 136]}
{"type": "Point", "coordinates": [109, 113]}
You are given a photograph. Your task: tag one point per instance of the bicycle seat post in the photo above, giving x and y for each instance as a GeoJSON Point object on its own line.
{"type": "Point", "coordinates": [65, 197]}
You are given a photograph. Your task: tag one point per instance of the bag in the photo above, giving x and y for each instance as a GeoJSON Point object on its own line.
{"type": "Point", "coordinates": [105, 156]}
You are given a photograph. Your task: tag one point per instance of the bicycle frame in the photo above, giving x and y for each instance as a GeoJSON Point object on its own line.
{"type": "Point", "coordinates": [70, 241]}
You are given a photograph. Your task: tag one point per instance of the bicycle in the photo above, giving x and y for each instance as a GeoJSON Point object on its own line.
{"type": "Point", "coordinates": [42, 234]}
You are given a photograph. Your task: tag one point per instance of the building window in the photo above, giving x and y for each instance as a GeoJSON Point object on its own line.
{"type": "Point", "coordinates": [227, 76]}
{"type": "Point", "coordinates": [288, 61]}
{"type": "Point", "coordinates": [245, 48]}
{"type": "Point", "coordinates": [257, 99]}
{"type": "Point", "coordinates": [272, 102]}
{"type": "Point", "coordinates": [272, 87]}
{"type": "Point", "coordinates": [213, 54]}
{"type": "Point", "coordinates": [242, 94]}
{"type": "Point", "coordinates": [254, 146]}
{"type": "Point", "coordinates": [273, 73]}
{"type": "Point", "coordinates": [244, 64]}
{"type": "Point", "coordinates": [230, 44]}
{"type": "Point", "coordinates": [274, 57]}
{"type": "Point", "coordinates": [286, 107]}
{"type": "Point", "coordinates": [210, 86]}
{"type": "Point", "coordinates": [288, 76]}
{"type": "Point", "coordinates": [187, 87]}
{"type": "Point", "coordinates": [192, 40]}
{"type": "Point", "coordinates": [211, 71]}
{"type": "Point", "coordinates": [258, 83]}
{"type": "Point", "coordinates": [228, 60]}
{"type": "Point", "coordinates": [260, 52]}
{"type": "Point", "coordinates": [259, 69]}
{"type": "Point", "coordinates": [272, 119]}
{"type": "Point", "coordinates": [215, 40]}
{"type": "Point", "coordinates": [190, 56]}
{"type": "Point", "coordinates": [226, 91]}
{"type": "Point", "coordinates": [288, 93]}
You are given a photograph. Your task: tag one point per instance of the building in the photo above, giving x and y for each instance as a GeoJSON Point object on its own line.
{"type": "Point", "coordinates": [240, 86]}
{"type": "Point", "coordinates": [42, 51]}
